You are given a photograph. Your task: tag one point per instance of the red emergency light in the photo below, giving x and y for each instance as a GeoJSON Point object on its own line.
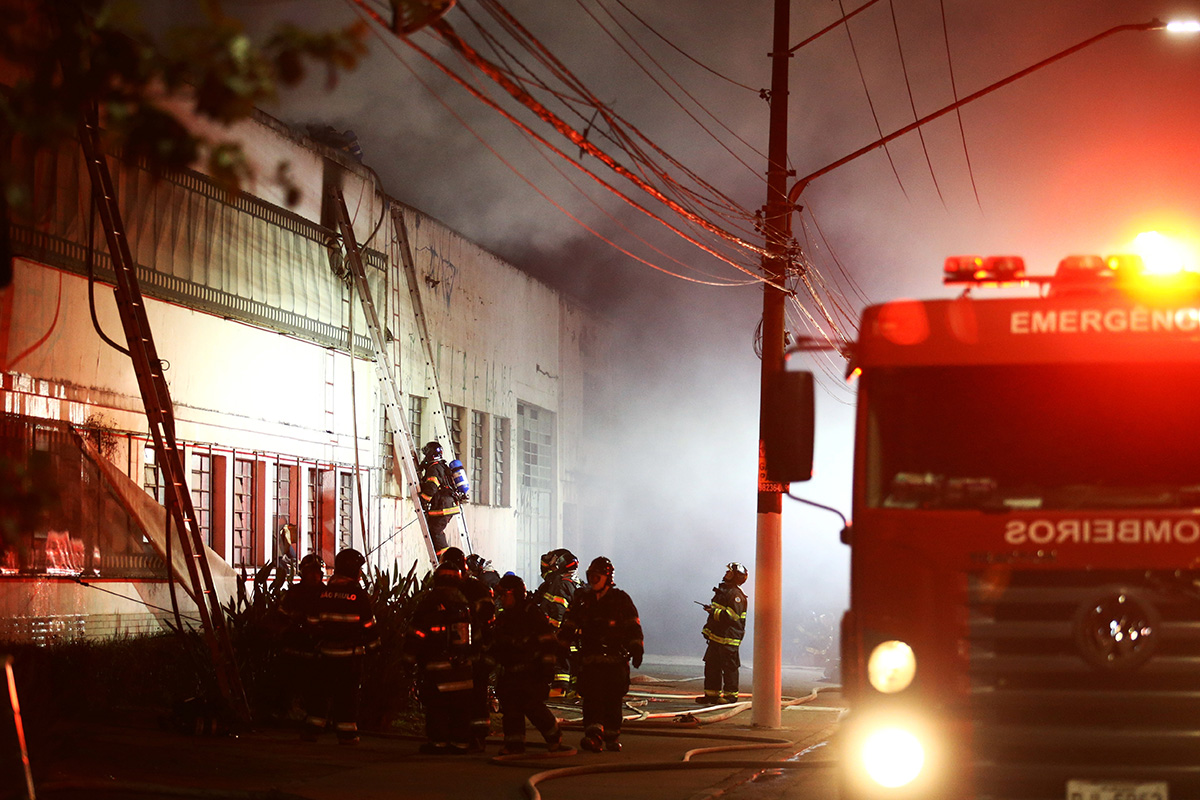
{"type": "Point", "coordinates": [979, 269]}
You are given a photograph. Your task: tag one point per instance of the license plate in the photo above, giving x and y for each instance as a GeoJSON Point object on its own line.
{"type": "Point", "coordinates": [1110, 790]}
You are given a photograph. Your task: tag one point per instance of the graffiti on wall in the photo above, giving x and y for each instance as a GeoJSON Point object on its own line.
{"type": "Point", "coordinates": [441, 275]}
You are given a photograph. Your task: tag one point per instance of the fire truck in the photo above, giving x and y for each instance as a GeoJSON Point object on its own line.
{"type": "Point", "coordinates": [1024, 617]}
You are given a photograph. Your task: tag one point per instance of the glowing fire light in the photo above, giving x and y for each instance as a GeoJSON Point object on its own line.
{"type": "Point", "coordinates": [1162, 254]}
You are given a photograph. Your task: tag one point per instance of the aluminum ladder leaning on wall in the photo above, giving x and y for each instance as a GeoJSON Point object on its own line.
{"type": "Point", "coordinates": [441, 424]}
{"type": "Point", "coordinates": [403, 444]}
{"type": "Point", "coordinates": [160, 415]}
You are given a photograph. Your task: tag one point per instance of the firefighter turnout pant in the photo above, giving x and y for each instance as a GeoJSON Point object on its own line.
{"type": "Point", "coordinates": [523, 694]}
{"type": "Point", "coordinates": [602, 684]}
{"type": "Point", "coordinates": [447, 695]}
{"type": "Point", "coordinates": [336, 694]}
{"type": "Point", "coordinates": [721, 662]}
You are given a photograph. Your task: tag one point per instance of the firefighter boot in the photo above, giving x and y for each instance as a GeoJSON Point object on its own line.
{"type": "Point", "coordinates": [347, 733]}
{"type": "Point", "coordinates": [513, 746]}
{"type": "Point", "coordinates": [592, 739]}
{"type": "Point", "coordinates": [729, 697]}
{"type": "Point", "coordinates": [553, 739]}
{"type": "Point", "coordinates": [611, 741]}
{"type": "Point", "coordinates": [312, 728]}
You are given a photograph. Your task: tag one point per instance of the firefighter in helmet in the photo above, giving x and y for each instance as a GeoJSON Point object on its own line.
{"type": "Point", "coordinates": [723, 630]}
{"type": "Point", "coordinates": [343, 621]}
{"type": "Point", "coordinates": [604, 622]}
{"type": "Point", "coordinates": [554, 595]}
{"type": "Point", "coordinates": [481, 568]}
{"type": "Point", "coordinates": [439, 641]}
{"type": "Point", "coordinates": [482, 604]}
{"type": "Point", "coordinates": [439, 498]}
{"type": "Point", "coordinates": [297, 641]}
{"type": "Point", "coordinates": [524, 650]}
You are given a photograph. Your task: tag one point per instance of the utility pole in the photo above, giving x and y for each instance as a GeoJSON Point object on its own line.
{"type": "Point", "coordinates": [768, 594]}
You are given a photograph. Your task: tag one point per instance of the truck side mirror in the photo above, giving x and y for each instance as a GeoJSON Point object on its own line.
{"type": "Point", "coordinates": [789, 426]}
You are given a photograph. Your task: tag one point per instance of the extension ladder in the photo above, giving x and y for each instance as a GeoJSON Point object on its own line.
{"type": "Point", "coordinates": [402, 439]}
{"type": "Point", "coordinates": [160, 415]}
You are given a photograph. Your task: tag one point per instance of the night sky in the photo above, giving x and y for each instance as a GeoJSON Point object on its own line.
{"type": "Point", "coordinates": [1075, 158]}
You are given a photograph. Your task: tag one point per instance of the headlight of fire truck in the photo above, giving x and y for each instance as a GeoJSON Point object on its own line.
{"type": "Point", "coordinates": [892, 756]}
{"type": "Point", "coordinates": [891, 667]}
{"type": "Point", "coordinates": [893, 753]}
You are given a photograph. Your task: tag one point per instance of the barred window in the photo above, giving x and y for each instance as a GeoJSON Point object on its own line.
{"type": "Point", "coordinates": [454, 420]}
{"type": "Point", "coordinates": [501, 428]}
{"type": "Point", "coordinates": [416, 416]}
{"type": "Point", "coordinates": [312, 536]}
{"type": "Point", "coordinates": [345, 508]}
{"type": "Point", "coordinates": [152, 476]}
{"type": "Point", "coordinates": [478, 457]}
{"type": "Point", "coordinates": [284, 494]}
{"type": "Point", "coordinates": [202, 486]}
{"type": "Point", "coordinates": [243, 512]}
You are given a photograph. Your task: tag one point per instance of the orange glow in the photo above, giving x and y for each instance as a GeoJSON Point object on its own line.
{"type": "Point", "coordinates": [1162, 254]}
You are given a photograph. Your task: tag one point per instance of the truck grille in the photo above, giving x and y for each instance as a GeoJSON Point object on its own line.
{"type": "Point", "coordinates": [1088, 675]}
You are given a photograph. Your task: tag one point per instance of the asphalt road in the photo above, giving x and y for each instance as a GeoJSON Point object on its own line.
{"type": "Point", "coordinates": [674, 749]}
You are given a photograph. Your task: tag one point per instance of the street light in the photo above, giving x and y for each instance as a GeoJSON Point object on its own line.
{"type": "Point", "coordinates": [1178, 26]}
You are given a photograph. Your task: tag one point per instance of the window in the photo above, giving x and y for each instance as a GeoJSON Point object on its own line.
{"type": "Point", "coordinates": [284, 495]}
{"type": "Point", "coordinates": [243, 512]}
{"type": "Point", "coordinates": [312, 534]}
{"type": "Point", "coordinates": [387, 452]}
{"type": "Point", "coordinates": [345, 507]}
{"type": "Point", "coordinates": [416, 415]}
{"type": "Point", "coordinates": [454, 420]}
{"type": "Point", "coordinates": [202, 488]}
{"type": "Point", "coordinates": [478, 457]}
{"type": "Point", "coordinates": [152, 477]}
{"type": "Point", "coordinates": [501, 427]}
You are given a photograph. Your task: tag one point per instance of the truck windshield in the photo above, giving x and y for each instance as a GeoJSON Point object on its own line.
{"type": "Point", "coordinates": [1003, 438]}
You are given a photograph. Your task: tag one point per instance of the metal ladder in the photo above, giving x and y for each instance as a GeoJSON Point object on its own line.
{"type": "Point", "coordinates": [402, 440]}
{"type": "Point", "coordinates": [160, 415]}
{"type": "Point", "coordinates": [442, 424]}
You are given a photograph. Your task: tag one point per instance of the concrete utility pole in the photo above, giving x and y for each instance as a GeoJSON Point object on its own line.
{"type": "Point", "coordinates": [768, 595]}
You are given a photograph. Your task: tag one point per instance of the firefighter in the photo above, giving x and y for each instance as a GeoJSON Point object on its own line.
{"type": "Point", "coordinates": [525, 651]}
{"type": "Point", "coordinates": [343, 622]}
{"type": "Point", "coordinates": [723, 630]}
{"type": "Point", "coordinates": [481, 568]}
{"type": "Point", "coordinates": [603, 620]}
{"type": "Point", "coordinates": [297, 642]}
{"type": "Point", "coordinates": [439, 498]}
{"type": "Point", "coordinates": [554, 595]}
{"type": "Point", "coordinates": [439, 641]}
{"type": "Point", "coordinates": [482, 604]}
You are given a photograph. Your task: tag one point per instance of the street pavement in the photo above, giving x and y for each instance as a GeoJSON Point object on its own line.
{"type": "Point", "coordinates": [674, 750]}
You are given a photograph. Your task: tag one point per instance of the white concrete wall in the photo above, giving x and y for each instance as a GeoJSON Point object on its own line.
{"type": "Point", "coordinates": [498, 337]}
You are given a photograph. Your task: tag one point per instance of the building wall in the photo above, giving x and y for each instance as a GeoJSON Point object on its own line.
{"type": "Point", "coordinates": [255, 328]}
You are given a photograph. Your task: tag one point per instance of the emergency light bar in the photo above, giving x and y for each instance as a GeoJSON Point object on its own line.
{"type": "Point", "coordinates": [977, 269]}
{"type": "Point", "coordinates": [1089, 271]}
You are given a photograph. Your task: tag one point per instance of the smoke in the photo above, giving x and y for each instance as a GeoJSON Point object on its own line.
{"type": "Point", "coordinates": [1071, 159]}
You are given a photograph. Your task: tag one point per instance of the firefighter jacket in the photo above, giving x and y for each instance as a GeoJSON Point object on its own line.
{"type": "Point", "coordinates": [523, 643]}
{"type": "Point", "coordinates": [439, 498]}
{"type": "Point", "coordinates": [554, 596]}
{"type": "Point", "coordinates": [296, 605]}
{"type": "Point", "coordinates": [343, 619]}
{"type": "Point", "coordinates": [439, 639]}
{"type": "Point", "coordinates": [482, 603]}
{"type": "Point", "coordinates": [605, 625]}
{"type": "Point", "coordinates": [726, 615]}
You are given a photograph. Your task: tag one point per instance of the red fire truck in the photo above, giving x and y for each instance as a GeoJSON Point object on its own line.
{"type": "Point", "coordinates": [1024, 616]}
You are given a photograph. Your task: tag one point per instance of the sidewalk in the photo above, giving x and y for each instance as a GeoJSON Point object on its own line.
{"type": "Point", "coordinates": [138, 760]}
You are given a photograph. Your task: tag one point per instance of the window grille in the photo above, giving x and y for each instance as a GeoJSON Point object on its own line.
{"type": "Point", "coordinates": [478, 457]}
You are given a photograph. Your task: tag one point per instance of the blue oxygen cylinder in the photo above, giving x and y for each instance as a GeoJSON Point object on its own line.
{"type": "Point", "coordinates": [458, 474]}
